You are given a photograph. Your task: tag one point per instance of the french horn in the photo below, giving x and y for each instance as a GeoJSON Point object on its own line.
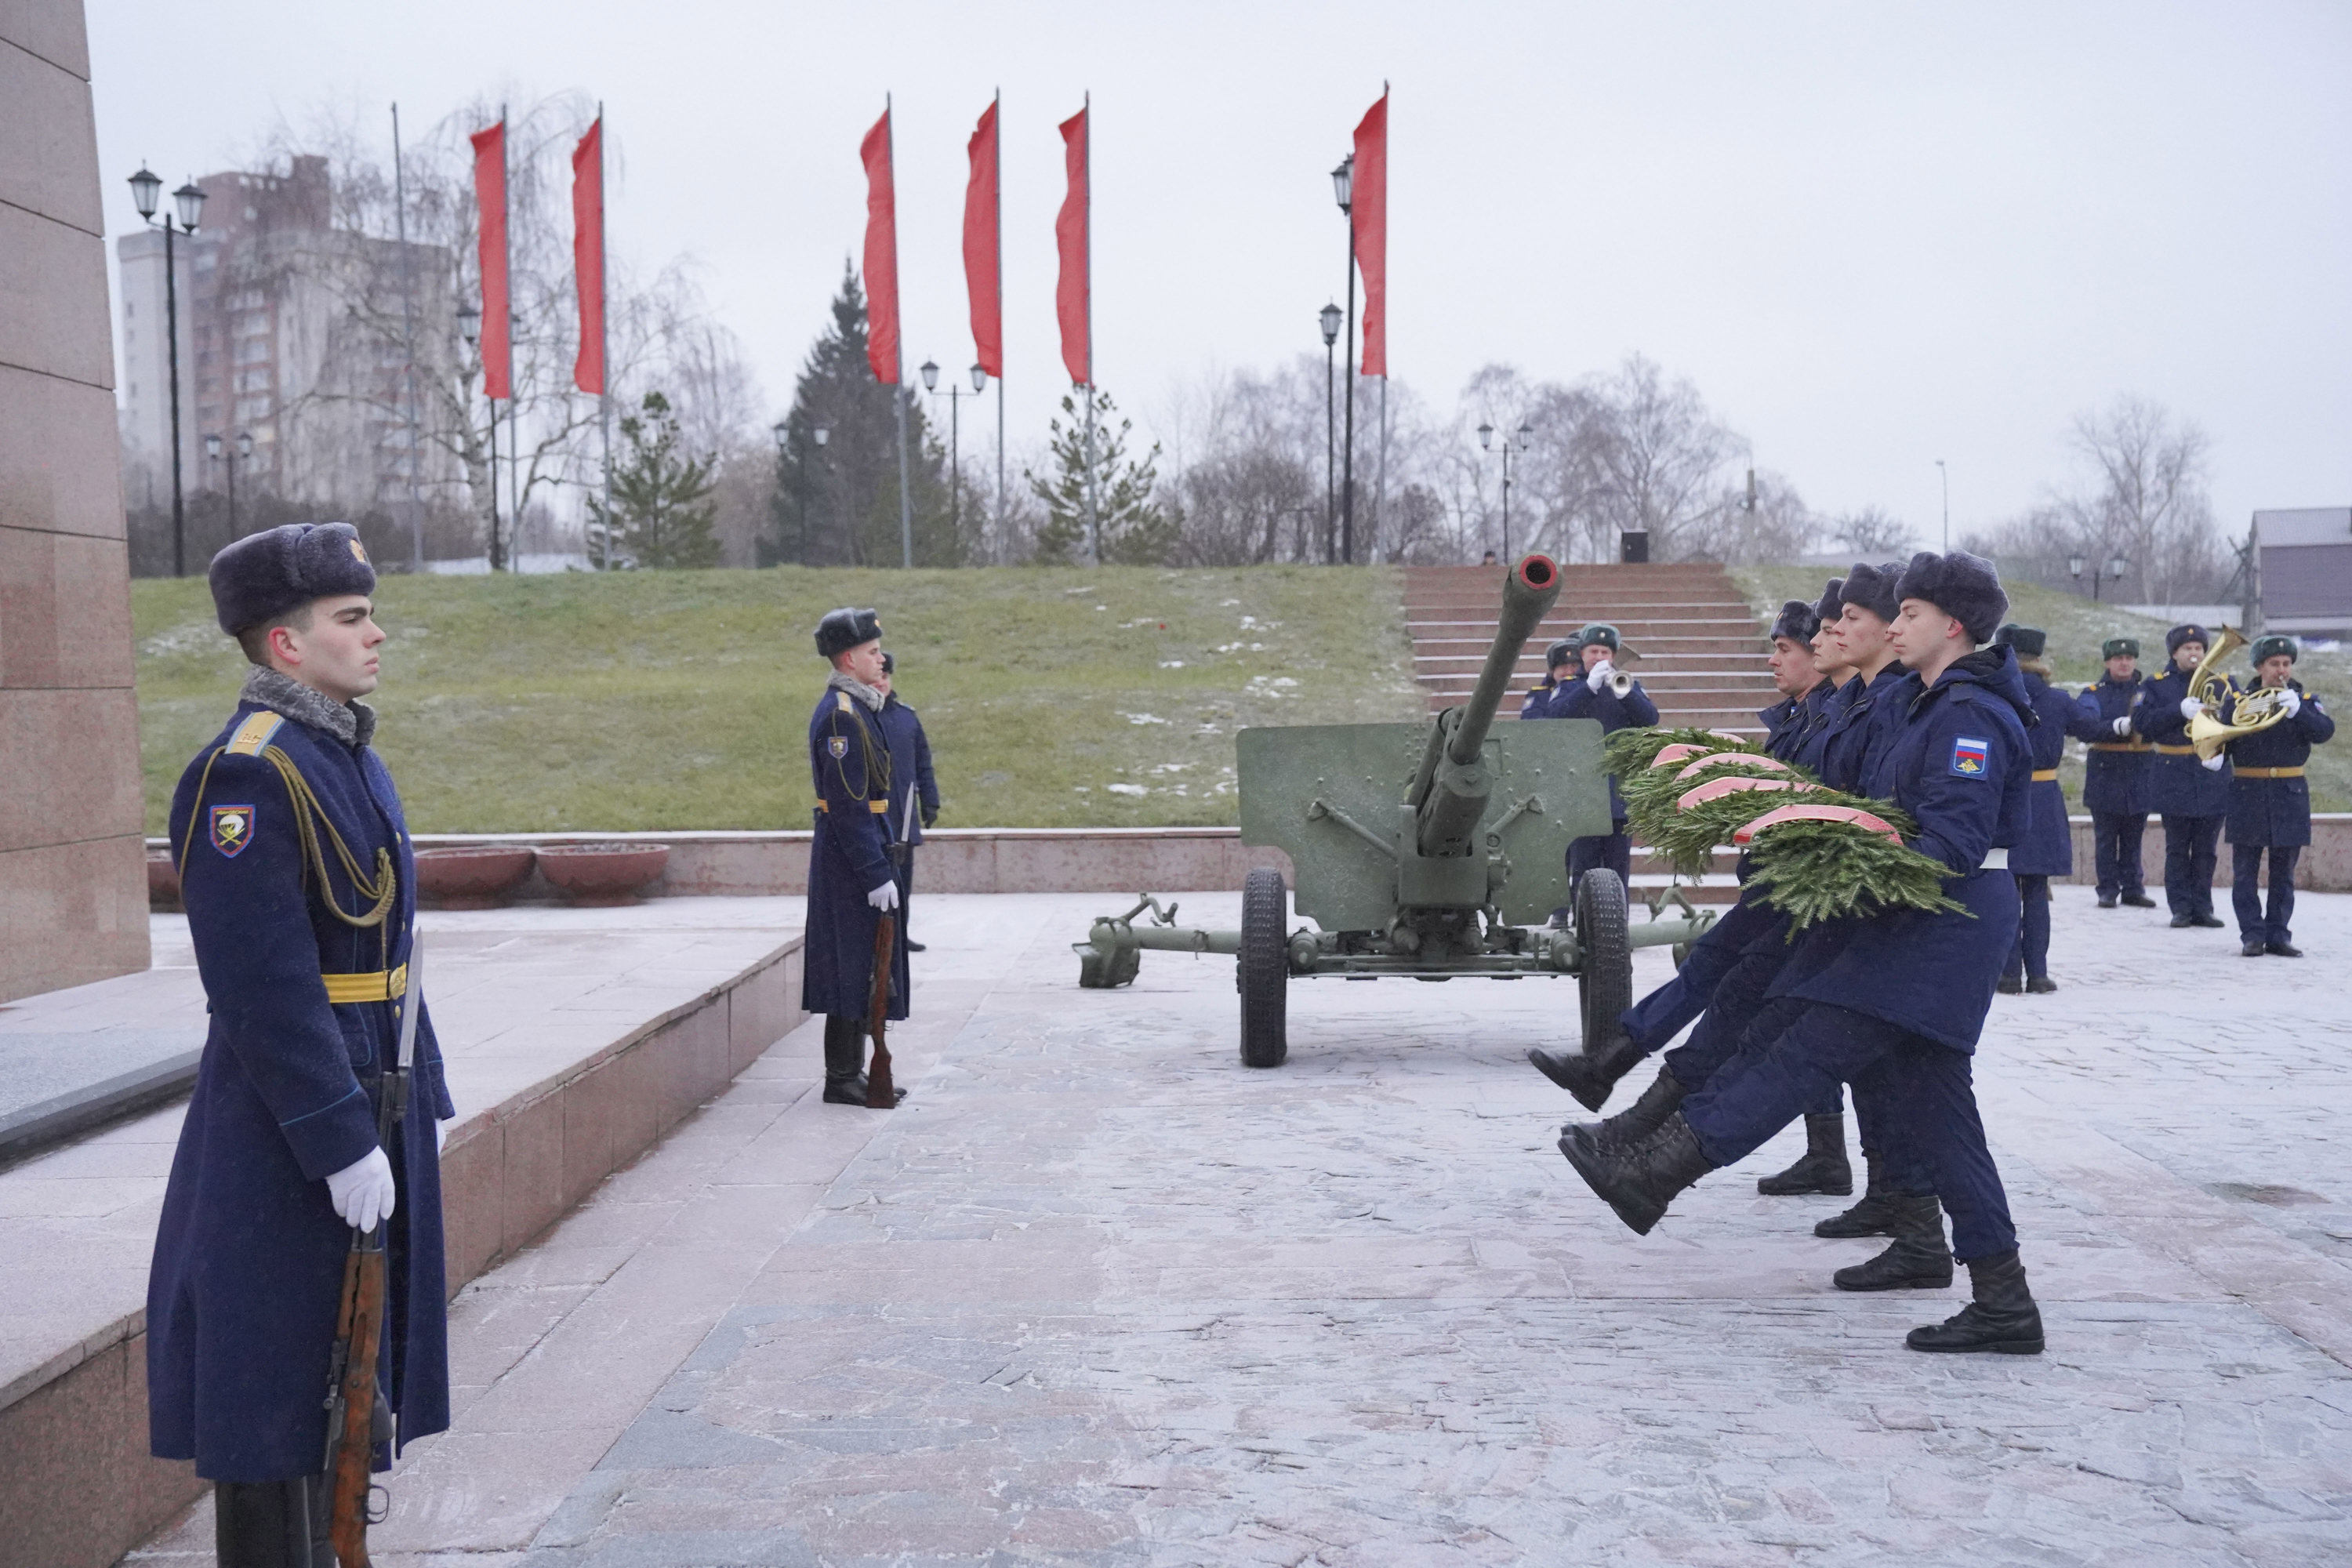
{"type": "Point", "coordinates": [2255, 710]}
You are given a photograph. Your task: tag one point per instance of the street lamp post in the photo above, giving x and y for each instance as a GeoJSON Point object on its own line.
{"type": "Point", "coordinates": [243, 452]}
{"type": "Point", "coordinates": [1329, 319]}
{"type": "Point", "coordinates": [1343, 185]}
{"type": "Point", "coordinates": [2115, 568]}
{"type": "Point", "coordinates": [955, 436]}
{"type": "Point", "coordinates": [189, 200]}
{"type": "Point", "coordinates": [1519, 438]}
{"type": "Point", "coordinates": [823, 431]}
{"type": "Point", "coordinates": [1945, 477]}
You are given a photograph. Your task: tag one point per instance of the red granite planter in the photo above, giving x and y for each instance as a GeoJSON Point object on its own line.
{"type": "Point", "coordinates": [472, 876]}
{"type": "Point", "coordinates": [603, 873]}
{"type": "Point", "coordinates": [163, 881]}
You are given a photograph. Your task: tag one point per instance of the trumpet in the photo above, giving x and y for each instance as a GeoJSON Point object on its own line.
{"type": "Point", "coordinates": [2255, 710]}
{"type": "Point", "coordinates": [1620, 682]}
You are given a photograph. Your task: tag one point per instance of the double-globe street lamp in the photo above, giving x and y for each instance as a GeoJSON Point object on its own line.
{"type": "Point", "coordinates": [955, 434]}
{"type": "Point", "coordinates": [823, 432]}
{"type": "Point", "coordinates": [244, 453]}
{"type": "Point", "coordinates": [145, 187]}
{"type": "Point", "coordinates": [2116, 567]}
{"type": "Point", "coordinates": [1487, 444]}
{"type": "Point", "coordinates": [1329, 319]}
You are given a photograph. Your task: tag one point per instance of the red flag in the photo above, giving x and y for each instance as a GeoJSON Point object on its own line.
{"type": "Point", "coordinates": [1368, 211]}
{"type": "Point", "coordinates": [982, 247]}
{"type": "Point", "coordinates": [881, 255]}
{"type": "Point", "coordinates": [588, 255]}
{"type": "Point", "coordinates": [1073, 296]}
{"type": "Point", "coordinates": [490, 198]}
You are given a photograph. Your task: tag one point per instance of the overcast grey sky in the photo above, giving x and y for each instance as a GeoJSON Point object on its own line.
{"type": "Point", "coordinates": [1873, 235]}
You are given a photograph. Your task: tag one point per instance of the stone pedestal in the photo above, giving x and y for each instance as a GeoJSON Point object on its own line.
{"type": "Point", "coordinates": [73, 904]}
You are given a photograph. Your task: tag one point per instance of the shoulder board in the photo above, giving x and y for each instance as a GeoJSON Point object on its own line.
{"type": "Point", "coordinates": [842, 699]}
{"type": "Point", "coordinates": [257, 730]}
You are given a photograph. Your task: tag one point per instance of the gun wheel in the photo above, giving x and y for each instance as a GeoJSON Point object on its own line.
{"type": "Point", "coordinates": [1262, 973]}
{"type": "Point", "coordinates": [1604, 975]}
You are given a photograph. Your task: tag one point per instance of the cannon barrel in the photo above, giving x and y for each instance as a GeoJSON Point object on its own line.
{"type": "Point", "coordinates": [1449, 790]}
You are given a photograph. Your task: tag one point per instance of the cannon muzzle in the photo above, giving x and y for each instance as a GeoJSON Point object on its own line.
{"type": "Point", "coordinates": [1450, 793]}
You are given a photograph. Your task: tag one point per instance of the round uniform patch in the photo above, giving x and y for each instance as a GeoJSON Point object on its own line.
{"type": "Point", "coordinates": [839, 746]}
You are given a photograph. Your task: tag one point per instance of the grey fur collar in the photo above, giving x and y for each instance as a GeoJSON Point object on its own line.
{"type": "Point", "coordinates": [352, 723]}
{"type": "Point", "coordinates": [841, 680]}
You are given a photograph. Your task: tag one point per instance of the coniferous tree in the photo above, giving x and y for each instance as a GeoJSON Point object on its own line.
{"type": "Point", "coordinates": [836, 504]}
{"type": "Point", "coordinates": [1134, 529]}
{"type": "Point", "coordinates": [661, 511]}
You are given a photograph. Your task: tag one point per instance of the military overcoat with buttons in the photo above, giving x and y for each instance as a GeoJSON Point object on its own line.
{"type": "Point", "coordinates": [850, 763]}
{"type": "Point", "coordinates": [2268, 806]}
{"type": "Point", "coordinates": [2046, 847]}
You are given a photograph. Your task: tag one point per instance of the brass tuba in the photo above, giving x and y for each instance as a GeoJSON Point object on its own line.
{"type": "Point", "coordinates": [2255, 709]}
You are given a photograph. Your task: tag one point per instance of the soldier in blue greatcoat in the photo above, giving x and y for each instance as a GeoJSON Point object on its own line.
{"type": "Point", "coordinates": [853, 880]}
{"type": "Point", "coordinates": [2116, 773]}
{"type": "Point", "coordinates": [1560, 664]}
{"type": "Point", "coordinates": [2190, 795]}
{"type": "Point", "coordinates": [295, 867]}
{"type": "Point", "coordinates": [1895, 1001]}
{"type": "Point", "coordinates": [912, 780]}
{"type": "Point", "coordinates": [2046, 849]}
{"type": "Point", "coordinates": [1595, 696]}
{"type": "Point", "coordinates": [2269, 803]}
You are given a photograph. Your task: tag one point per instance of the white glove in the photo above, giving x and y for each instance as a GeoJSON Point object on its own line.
{"type": "Point", "coordinates": [362, 1191]}
{"type": "Point", "coordinates": [2212, 764]}
{"type": "Point", "coordinates": [885, 898]}
{"type": "Point", "coordinates": [1600, 677]}
{"type": "Point", "coordinates": [2123, 725]}
{"type": "Point", "coordinates": [440, 1134]}
{"type": "Point", "coordinates": [2291, 700]}
{"type": "Point", "coordinates": [2190, 707]}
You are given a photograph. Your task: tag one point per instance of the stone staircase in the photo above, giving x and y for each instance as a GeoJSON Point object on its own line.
{"type": "Point", "coordinates": [1701, 651]}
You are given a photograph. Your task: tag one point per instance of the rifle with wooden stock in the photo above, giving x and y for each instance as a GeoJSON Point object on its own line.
{"type": "Point", "coordinates": [880, 1095]}
{"type": "Point", "coordinates": [356, 1419]}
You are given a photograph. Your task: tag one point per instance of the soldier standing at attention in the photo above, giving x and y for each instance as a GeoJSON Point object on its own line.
{"type": "Point", "coordinates": [1594, 697]}
{"type": "Point", "coordinates": [2115, 774]}
{"type": "Point", "coordinates": [1559, 662]}
{"type": "Point", "coordinates": [297, 870]}
{"type": "Point", "coordinates": [2190, 796]}
{"type": "Point", "coordinates": [852, 881]}
{"type": "Point", "coordinates": [2270, 804]}
{"type": "Point", "coordinates": [2046, 847]}
{"type": "Point", "coordinates": [910, 774]}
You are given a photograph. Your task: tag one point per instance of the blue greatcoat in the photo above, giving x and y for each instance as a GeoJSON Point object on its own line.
{"type": "Point", "coordinates": [910, 770]}
{"type": "Point", "coordinates": [2046, 849]}
{"type": "Point", "coordinates": [2270, 811]}
{"type": "Point", "coordinates": [1957, 761]}
{"type": "Point", "coordinates": [1575, 698]}
{"type": "Point", "coordinates": [2116, 774]}
{"type": "Point", "coordinates": [1538, 701]}
{"type": "Point", "coordinates": [2179, 784]}
{"type": "Point", "coordinates": [248, 1263]}
{"type": "Point", "coordinates": [849, 760]}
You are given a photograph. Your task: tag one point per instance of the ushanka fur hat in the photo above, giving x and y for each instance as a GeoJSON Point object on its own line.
{"type": "Point", "coordinates": [2029, 641]}
{"type": "Point", "coordinates": [1797, 621]}
{"type": "Point", "coordinates": [1564, 651]}
{"type": "Point", "coordinates": [2187, 631]}
{"type": "Point", "coordinates": [1873, 588]}
{"type": "Point", "coordinates": [1964, 586]}
{"type": "Point", "coordinates": [2272, 645]}
{"type": "Point", "coordinates": [2119, 648]}
{"type": "Point", "coordinates": [1830, 604]}
{"type": "Point", "coordinates": [263, 575]}
{"type": "Point", "coordinates": [842, 630]}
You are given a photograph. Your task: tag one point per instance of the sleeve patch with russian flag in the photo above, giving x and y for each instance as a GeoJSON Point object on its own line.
{"type": "Point", "coordinates": [1969, 757]}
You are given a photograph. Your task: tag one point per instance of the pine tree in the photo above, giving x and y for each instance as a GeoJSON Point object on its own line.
{"type": "Point", "coordinates": [837, 504]}
{"type": "Point", "coordinates": [1134, 531]}
{"type": "Point", "coordinates": [661, 510]}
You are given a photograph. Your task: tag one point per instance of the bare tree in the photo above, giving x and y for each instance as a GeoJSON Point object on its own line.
{"type": "Point", "coordinates": [1873, 533]}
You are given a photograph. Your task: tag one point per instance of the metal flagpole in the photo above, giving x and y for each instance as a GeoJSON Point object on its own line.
{"type": "Point", "coordinates": [898, 389]}
{"type": "Point", "coordinates": [1348, 441]}
{"type": "Point", "coordinates": [1000, 317]}
{"type": "Point", "coordinates": [504, 558]}
{"type": "Point", "coordinates": [1094, 509]}
{"type": "Point", "coordinates": [408, 331]}
{"type": "Point", "coordinates": [604, 341]}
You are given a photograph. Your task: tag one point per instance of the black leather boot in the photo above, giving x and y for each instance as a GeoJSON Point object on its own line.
{"type": "Point", "coordinates": [1593, 1072]}
{"type": "Point", "coordinates": [1917, 1259]}
{"type": "Point", "coordinates": [1639, 1181]}
{"type": "Point", "coordinates": [272, 1524]}
{"type": "Point", "coordinates": [1634, 1123]}
{"type": "Point", "coordinates": [2001, 1319]}
{"type": "Point", "coordinates": [1823, 1169]}
{"type": "Point", "coordinates": [844, 1060]}
{"type": "Point", "coordinates": [1872, 1215]}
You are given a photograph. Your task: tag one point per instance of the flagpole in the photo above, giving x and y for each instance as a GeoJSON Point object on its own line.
{"type": "Point", "coordinates": [506, 238]}
{"type": "Point", "coordinates": [408, 332]}
{"type": "Point", "coordinates": [998, 149]}
{"type": "Point", "coordinates": [603, 342]}
{"type": "Point", "coordinates": [1093, 510]}
{"type": "Point", "coordinates": [897, 349]}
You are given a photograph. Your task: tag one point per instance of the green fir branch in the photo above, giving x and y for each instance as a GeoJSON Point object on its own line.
{"type": "Point", "coordinates": [1815, 871]}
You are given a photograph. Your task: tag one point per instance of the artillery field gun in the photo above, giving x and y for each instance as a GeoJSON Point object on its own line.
{"type": "Point", "coordinates": [1450, 877]}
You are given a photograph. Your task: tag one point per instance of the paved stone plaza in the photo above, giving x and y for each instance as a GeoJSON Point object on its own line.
{"type": "Point", "coordinates": [1099, 1294]}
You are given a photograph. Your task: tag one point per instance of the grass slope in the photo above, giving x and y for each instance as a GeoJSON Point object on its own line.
{"type": "Point", "coordinates": [680, 700]}
{"type": "Point", "coordinates": [2078, 626]}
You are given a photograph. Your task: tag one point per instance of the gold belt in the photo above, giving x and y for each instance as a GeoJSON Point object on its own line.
{"type": "Point", "coordinates": [2176, 751]}
{"type": "Point", "coordinates": [2045, 775]}
{"type": "Point", "coordinates": [2268, 772]}
{"type": "Point", "coordinates": [2122, 747]}
{"type": "Point", "coordinates": [879, 808]}
{"type": "Point", "coordinates": [375, 985]}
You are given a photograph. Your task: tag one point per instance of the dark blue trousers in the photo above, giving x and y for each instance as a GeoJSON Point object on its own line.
{"type": "Point", "coordinates": [2245, 863]}
{"type": "Point", "coordinates": [2116, 846]}
{"type": "Point", "coordinates": [1925, 1093]}
{"type": "Point", "coordinates": [1738, 1010]}
{"type": "Point", "coordinates": [2032, 952]}
{"type": "Point", "coordinates": [1665, 1012]}
{"type": "Point", "coordinates": [2190, 853]}
{"type": "Point", "coordinates": [1612, 850]}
